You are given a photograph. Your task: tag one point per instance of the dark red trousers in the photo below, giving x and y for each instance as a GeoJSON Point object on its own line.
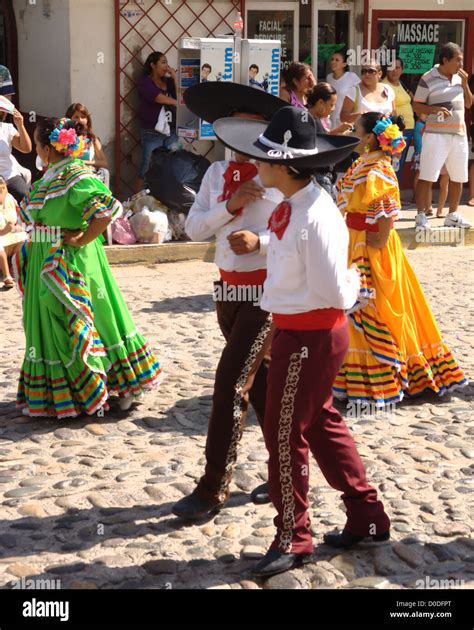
{"type": "Point", "coordinates": [299, 417]}
{"type": "Point", "coordinates": [241, 377]}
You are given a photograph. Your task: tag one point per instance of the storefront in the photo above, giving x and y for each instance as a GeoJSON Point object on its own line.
{"type": "Point", "coordinates": [417, 36]}
{"type": "Point", "coordinates": [309, 31]}
{"type": "Point", "coordinates": [312, 31]}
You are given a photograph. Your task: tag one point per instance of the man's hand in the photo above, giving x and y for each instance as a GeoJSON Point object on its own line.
{"type": "Point", "coordinates": [246, 193]}
{"type": "Point", "coordinates": [243, 242]}
{"type": "Point", "coordinates": [464, 77]}
{"type": "Point", "coordinates": [443, 110]}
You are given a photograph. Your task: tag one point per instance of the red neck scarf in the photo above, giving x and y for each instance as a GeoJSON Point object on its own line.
{"type": "Point", "coordinates": [236, 174]}
{"type": "Point", "coordinates": [280, 219]}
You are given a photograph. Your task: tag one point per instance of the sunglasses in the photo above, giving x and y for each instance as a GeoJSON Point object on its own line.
{"type": "Point", "coordinates": [368, 71]}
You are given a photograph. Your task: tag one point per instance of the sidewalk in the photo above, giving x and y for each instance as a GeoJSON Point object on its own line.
{"type": "Point", "coordinates": [405, 226]}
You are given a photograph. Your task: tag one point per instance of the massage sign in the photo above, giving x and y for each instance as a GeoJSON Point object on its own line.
{"type": "Point", "coordinates": [417, 42]}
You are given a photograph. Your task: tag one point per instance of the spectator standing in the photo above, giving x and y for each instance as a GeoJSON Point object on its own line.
{"type": "Point", "coordinates": [471, 168]}
{"type": "Point", "coordinates": [299, 81]}
{"type": "Point", "coordinates": [442, 94]}
{"type": "Point", "coordinates": [369, 96]}
{"type": "Point", "coordinates": [157, 89]}
{"type": "Point", "coordinates": [341, 80]}
{"type": "Point", "coordinates": [403, 107]}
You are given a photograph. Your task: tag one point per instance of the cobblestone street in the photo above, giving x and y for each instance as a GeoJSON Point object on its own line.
{"type": "Point", "coordinates": [88, 502]}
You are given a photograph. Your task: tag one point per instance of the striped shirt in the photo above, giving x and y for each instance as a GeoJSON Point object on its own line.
{"type": "Point", "coordinates": [435, 88]}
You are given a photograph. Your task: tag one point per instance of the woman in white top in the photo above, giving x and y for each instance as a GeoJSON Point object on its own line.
{"type": "Point", "coordinates": [13, 137]}
{"type": "Point", "coordinates": [369, 96]}
{"type": "Point", "coordinates": [341, 80]}
{"type": "Point", "coordinates": [11, 234]}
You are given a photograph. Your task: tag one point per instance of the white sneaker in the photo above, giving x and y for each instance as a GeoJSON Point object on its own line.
{"type": "Point", "coordinates": [453, 219]}
{"type": "Point", "coordinates": [421, 221]}
{"type": "Point", "coordinates": [25, 411]}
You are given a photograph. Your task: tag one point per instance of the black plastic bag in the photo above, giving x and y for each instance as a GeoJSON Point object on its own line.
{"type": "Point", "coordinates": [172, 177]}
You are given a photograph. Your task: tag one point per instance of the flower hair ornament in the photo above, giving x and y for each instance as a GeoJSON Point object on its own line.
{"type": "Point", "coordinates": [390, 137]}
{"type": "Point", "coordinates": [67, 141]}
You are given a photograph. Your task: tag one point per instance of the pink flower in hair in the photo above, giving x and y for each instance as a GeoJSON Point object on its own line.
{"type": "Point", "coordinates": [67, 136]}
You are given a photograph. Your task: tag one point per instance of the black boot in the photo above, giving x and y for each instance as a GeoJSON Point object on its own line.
{"type": "Point", "coordinates": [260, 494]}
{"type": "Point", "coordinates": [345, 539]}
{"type": "Point", "coordinates": [193, 508]}
{"type": "Point", "coordinates": [276, 562]}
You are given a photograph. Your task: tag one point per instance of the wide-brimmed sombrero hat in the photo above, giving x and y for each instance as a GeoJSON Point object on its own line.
{"type": "Point", "coordinates": [218, 99]}
{"type": "Point", "coordinates": [290, 138]}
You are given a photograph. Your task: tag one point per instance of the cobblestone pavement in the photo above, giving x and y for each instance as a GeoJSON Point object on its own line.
{"type": "Point", "coordinates": [87, 502]}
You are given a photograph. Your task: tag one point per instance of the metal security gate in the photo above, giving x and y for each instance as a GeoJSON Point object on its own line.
{"type": "Point", "coordinates": [144, 26]}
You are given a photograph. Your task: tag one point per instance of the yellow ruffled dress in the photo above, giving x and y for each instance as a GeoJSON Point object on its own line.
{"type": "Point", "coordinates": [395, 347]}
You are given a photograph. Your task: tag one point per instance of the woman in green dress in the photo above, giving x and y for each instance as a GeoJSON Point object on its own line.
{"type": "Point", "coordinates": [81, 342]}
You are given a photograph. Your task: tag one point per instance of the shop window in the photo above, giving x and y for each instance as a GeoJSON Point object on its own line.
{"type": "Point", "coordinates": [333, 35]}
{"type": "Point", "coordinates": [418, 43]}
{"type": "Point", "coordinates": [276, 22]}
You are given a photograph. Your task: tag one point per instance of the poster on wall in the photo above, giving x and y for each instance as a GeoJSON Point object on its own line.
{"type": "Point", "coordinates": [417, 58]}
{"type": "Point", "coordinates": [273, 24]}
{"type": "Point", "coordinates": [261, 65]}
{"type": "Point", "coordinates": [216, 65]}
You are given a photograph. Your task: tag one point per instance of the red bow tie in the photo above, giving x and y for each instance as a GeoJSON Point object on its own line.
{"type": "Point", "coordinates": [280, 219]}
{"type": "Point", "coordinates": [236, 174]}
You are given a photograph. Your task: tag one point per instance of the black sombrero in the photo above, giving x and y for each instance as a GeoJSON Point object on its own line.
{"type": "Point", "coordinates": [217, 99]}
{"type": "Point", "coordinates": [290, 138]}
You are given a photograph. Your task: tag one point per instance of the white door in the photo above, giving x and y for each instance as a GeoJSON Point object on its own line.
{"type": "Point", "coordinates": [275, 20]}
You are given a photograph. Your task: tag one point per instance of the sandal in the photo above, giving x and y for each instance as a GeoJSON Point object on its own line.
{"type": "Point", "coordinates": [429, 213]}
{"type": "Point", "coordinates": [440, 215]}
{"type": "Point", "coordinates": [8, 283]}
{"type": "Point", "coordinates": [470, 203]}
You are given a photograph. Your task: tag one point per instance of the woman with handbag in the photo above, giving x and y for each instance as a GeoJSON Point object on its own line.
{"type": "Point", "coordinates": [369, 96]}
{"type": "Point", "coordinates": [157, 90]}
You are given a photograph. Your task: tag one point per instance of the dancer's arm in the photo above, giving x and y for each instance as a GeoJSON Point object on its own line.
{"type": "Point", "coordinates": [379, 239]}
{"type": "Point", "coordinates": [79, 239]}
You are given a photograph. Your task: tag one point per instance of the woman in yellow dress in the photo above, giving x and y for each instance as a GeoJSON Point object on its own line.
{"type": "Point", "coordinates": [395, 347]}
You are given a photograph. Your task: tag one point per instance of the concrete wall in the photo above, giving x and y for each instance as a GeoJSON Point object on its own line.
{"type": "Point", "coordinates": [92, 64]}
{"type": "Point", "coordinates": [44, 58]}
{"type": "Point", "coordinates": [66, 53]}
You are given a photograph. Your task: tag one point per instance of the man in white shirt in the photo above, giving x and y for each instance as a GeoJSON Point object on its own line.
{"type": "Point", "coordinates": [233, 206]}
{"type": "Point", "coordinates": [307, 289]}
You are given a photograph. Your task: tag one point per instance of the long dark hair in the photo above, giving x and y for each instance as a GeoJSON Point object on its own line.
{"type": "Point", "coordinates": [295, 71]}
{"type": "Point", "coordinates": [82, 109]}
{"type": "Point", "coordinates": [45, 128]}
{"type": "Point", "coordinates": [152, 58]}
{"type": "Point", "coordinates": [344, 56]}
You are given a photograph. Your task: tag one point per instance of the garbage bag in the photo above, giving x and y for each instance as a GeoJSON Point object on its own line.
{"type": "Point", "coordinates": [175, 178]}
{"type": "Point", "coordinates": [150, 226]}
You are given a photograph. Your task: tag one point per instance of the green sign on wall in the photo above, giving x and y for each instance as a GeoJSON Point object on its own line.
{"type": "Point", "coordinates": [417, 58]}
{"type": "Point", "coordinates": [326, 51]}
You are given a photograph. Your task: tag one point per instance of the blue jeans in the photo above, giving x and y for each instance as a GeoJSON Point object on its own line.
{"type": "Point", "coordinates": [152, 140]}
{"type": "Point", "coordinates": [408, 135]}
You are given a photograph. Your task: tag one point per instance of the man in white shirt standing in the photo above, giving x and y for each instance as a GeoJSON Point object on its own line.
{"type": "Point", "coordinates": [442, 95]}
{"type": "Point", "coordinates": [307, 289]}
{"type": "Point", "coordinates": [233, 206]}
